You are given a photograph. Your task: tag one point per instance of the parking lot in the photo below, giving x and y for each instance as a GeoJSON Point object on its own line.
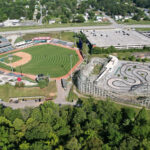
{"type": "Point", "coordinates": [119, 38]}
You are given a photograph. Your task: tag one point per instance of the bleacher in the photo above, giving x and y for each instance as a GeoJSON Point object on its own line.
{"type": "Point", "coordinates": [5, 45]}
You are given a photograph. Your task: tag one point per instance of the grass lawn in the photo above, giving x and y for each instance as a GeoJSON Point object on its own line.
{"type": "Point", "coordinates": [49, 60]}
{"type": "Point", "coordinates": [130, 22]}
{"type": "Point", "coordinates": [97, 69]}
{"type": "Point", "coordinates": [120, 55]}
{"type": "Point", "coordinates": [7, 91]}
{"type": "Point", "coordinates": [19, 39]}
{"type": "Point", "coordinates": [53, 26]}
{"type": "Point", "coordinates": [66, 36]}
{"type": "Point", "coordinates": [143, 29]}
{"type": "Point", "coordinates": [72, 96]}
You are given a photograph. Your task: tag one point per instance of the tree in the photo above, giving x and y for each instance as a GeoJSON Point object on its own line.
{"type": "Point", "coordinates": [73, 144]}
{"type": "Point", "coordinates": [38, 16]}
{"type": "Point", "coordinates": [79, 19]}
{"type": "Point", "coordinates": [24, 146]}
{"type": "Point", "coordinates": [64, 19]}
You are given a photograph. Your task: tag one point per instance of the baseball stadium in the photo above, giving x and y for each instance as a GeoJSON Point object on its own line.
{"type": "Point", "coordinates": [52, 59]}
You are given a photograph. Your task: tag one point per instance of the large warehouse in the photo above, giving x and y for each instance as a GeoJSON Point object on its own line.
{"type": "Point", "coordinates": [119, 38]}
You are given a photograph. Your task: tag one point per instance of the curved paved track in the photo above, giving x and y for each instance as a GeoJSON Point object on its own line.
{"type": "Point", "coordinates": [133, 77]}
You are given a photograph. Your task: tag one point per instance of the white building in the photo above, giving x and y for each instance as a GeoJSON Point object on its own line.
{"type": "Point", "coordinates": [118, 17]}
{"type": "Point", "coordinates": [109, 66]}
{"type": "Point", "coordinates": [99, 19]}
{"type": "Point", "coordinates": [86, 16]}
{"type": "Point", "coordinates": [1, 24]}
{"type": "Point", "coordinates": [12, 22]}
{"type": "Point", "coordinates": [52, 21]}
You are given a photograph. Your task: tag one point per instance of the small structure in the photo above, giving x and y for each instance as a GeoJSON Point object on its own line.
{"type": "Point", "coordinates": [64, 83]}
{"type": "Point", "coordinates": [12, 22]}
{"type": "Point", "coordinates": [52, 21]}
{"type": "Point", "coordinates": [41, 77]}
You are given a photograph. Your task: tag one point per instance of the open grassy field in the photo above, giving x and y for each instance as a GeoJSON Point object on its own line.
{"type": "Point", "coordinates": [66, 36]}
{"type": "Point", "coordinates": [49, 60]}
{"type": "Point", "coordinates": [142, 29]}
{"type": "Point", "coordinates": [130, 22]}
{"type": "Point", "coordinates": [7, 91]}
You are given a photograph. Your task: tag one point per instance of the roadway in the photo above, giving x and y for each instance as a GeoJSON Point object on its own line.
{"type": "Point", "coordinates": [72, 29]}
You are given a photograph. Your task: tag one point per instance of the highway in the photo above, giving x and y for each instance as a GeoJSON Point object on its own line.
{"type": "Point", "coordinates": [73, 29]}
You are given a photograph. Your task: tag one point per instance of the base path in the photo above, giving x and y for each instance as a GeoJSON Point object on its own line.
{"type": "Point", "coordinates": [33, 77]}
{"type": "Point", "coordinates": [25, 59]}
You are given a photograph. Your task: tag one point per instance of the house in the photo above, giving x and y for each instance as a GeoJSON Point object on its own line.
{"type": "Point", "coordinates": [118, 17]}
{"type": "Point", "coordinates": [99, 18]}
{"type": "Point", "coordinates": [86, 16]}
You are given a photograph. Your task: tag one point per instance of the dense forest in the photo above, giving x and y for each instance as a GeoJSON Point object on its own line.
{"type": "Point", "coordinates": [16, 9]}
{"type": "Point", "coordinates": [91, 125]}
{"type": "Point", "coordinates": [66, 9]}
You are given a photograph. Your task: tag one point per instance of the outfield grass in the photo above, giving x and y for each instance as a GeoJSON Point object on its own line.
{"type": "Point", "coordinates": [7, 91]}
{"type": "Point", "coordinates": [49, 60]}
{"type": "Point", "coordinates": [53, 26]}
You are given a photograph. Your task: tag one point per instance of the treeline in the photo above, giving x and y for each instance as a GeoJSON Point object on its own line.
{"type": "Point", "coordinates": [16, 9]}
{"type": "Point", "coordinates": [142, 3]}
{"type": "Point", "coordinates": [111, 49]}
{"type": "Point", "coordinates": [63, 9]}
{"type": "Point", "coordinates": [67, 10]}
{"type": "Point", "coordinates": [111, 7]}
{"type": "Point", "coordinates": [91, 125]}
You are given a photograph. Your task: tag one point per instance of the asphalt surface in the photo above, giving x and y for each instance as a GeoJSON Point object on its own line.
{"type": "Point", "coordinates": [73, 29]}
{"type": "Point", "coordinates": [62, 94]}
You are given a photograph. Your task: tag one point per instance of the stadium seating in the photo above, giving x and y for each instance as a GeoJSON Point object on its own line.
{"type": "Point", "coordinates": [5, 45]}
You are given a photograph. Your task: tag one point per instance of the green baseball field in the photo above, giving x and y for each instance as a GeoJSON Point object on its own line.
{"type": "Point", "coordinates": [48, 60]}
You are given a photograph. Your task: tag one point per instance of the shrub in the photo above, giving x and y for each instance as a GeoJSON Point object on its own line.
{"type": "Point", "coordinates": [43, 83]}
{"type": "Point", "coordinates": [19, 84]}
{"type": "Point", "coordinates": [125, 78]}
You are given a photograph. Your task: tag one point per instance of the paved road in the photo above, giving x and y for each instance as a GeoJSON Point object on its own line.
{"type": "Point", "coordinates": [72, 29]}
{"type": "Point", "coordinates": [62, 94]}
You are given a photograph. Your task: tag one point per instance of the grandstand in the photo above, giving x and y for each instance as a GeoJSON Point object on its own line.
{"type": "Point", "coordinates": [5, 45]}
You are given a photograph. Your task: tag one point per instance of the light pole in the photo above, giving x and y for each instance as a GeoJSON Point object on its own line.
{"type": "Point", "coordinates": [71, 64]}
{"type": "Point", "coordinates": [10, 59]}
